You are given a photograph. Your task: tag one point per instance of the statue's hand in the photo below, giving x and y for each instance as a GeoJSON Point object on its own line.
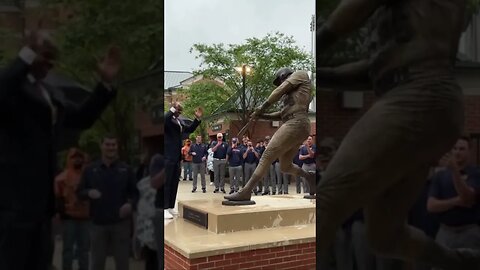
{"type": "Point", "coordinates": [256, 114]}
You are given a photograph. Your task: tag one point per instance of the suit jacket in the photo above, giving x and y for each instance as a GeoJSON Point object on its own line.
{"type": "Point", "coordinates": [173, 136]}
{"type": "Point", "coordinates": [29, 141]}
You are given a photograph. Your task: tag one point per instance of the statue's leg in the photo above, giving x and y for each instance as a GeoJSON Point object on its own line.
{"type": "Point", "coordinates": [412, 126]}
{"type": "Point", "coordinates": [287, 166]}
{"type": "Point", "coordinates": [276, 148]}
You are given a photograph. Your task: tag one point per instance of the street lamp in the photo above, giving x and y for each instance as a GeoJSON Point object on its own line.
{"type": "Point", "coordinates": [244, 70]}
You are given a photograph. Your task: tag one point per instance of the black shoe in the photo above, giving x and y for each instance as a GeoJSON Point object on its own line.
{"type": "Point", "coordinates": [193, 190]}
{"type": "Point", "coordinates": [184, 179]}
{"type": "Point", "coordinates": [266, 193]}
{"type": "Point", "coordinates": [273, 193]}
{"type": "Point", "coordinates": [231, 191]}
{"type": "Point", "coordinates": [285, 193]}
{"type": "Point", "coordinates": [191, 179]}
{"type": "Point", "coordinates": [280, 193]}
{"type": "Point", "coordinates": [204, 190]}
{"type": "Point", "coordinates": [223, 190]}
{"type": "Point", "coordinates": [216, 190]}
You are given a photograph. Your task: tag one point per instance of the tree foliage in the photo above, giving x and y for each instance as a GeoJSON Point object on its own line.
{"type": "Point", "coordinates": [206, 94]}
{"type": "Point", "coordinates": [136, 27]}
{"type": "Point", "coordinates": [265, 56]}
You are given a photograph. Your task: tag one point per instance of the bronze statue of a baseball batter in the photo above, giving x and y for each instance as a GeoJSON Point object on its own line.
{"type": "Point", "coordinates": [382, 163]}
{"type": "Point", "coordinates": [294, 92]}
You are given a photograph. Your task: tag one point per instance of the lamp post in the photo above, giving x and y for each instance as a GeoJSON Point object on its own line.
{"type": "Point", "coordinates": [244, 71]}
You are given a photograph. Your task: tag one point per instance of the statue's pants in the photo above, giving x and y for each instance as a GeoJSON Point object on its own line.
{"type": "Point", "coordinates": [382, 164]}
{"type": "Point", "coordinates": [284, 146]}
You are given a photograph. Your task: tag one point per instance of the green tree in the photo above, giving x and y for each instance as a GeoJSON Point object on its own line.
{"type": "Point", "coordinates": [205, 94]}
{"type": "Point", "coordinates": [95, 25]}
{"type": "Point", "coordinates": [265, 56]}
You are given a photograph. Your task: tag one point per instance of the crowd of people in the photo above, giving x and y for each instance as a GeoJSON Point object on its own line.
{"type": "Point", "coordinates": [241, 158]}
{"type": "Point", "coordinates": [104, 209]}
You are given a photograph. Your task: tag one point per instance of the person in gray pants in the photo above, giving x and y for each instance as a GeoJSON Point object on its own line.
{"type": "Point", "coordinates": [282, 179]}
{"type": "Point", "coordinates": [235, 161]}
{"type": "Point", "coordinates": [269, 178]}
{"type": "Point", "coordinates": [298, 179]}
{"type": "Point", "coordinates": [250, 158]}
{"type": "Point", "coordinates": [307, 156]}
{"type": "Point", "coordinates": [269, 181]}
{"type": "Point", "coordinates": [219, 149]}
{"type": "Point", "coordinates": [199, 153]}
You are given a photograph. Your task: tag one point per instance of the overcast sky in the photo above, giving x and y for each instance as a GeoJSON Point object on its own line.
{"type": "Point", "coordinates": [230, 22]}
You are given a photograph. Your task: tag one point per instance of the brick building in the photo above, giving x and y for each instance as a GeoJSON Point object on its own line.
{"type": "Point", "coordinates": [173, 81]}
{"type": "Point", "coordinates": [338, 109]}
{"type": "Point", "coordinates": [148, 119]}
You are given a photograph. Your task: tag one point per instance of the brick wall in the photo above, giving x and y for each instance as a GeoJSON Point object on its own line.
{"type": "Point", "coordinates": [298, 257]}
{"type": "Point", "coordinates": [334, 121]}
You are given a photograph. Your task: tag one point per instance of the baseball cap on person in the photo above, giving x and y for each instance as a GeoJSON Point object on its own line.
{"type": "Point", "coordinates": [219, 135]}
{"type": "Point", "coordinates": [234, 140]}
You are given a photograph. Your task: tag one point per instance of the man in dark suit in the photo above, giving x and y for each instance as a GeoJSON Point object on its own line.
{"type": "Point", "coordinates": [32, 116]}
{"type": "Point", "coordinates": [174, 129]}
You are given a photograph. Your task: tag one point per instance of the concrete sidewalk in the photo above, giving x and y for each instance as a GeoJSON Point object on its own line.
{"type": "Point", "coordinates": [110, 265]}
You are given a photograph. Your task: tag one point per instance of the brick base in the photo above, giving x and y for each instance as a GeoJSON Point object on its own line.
{"type": "Point", "coordinates": [298, 256]}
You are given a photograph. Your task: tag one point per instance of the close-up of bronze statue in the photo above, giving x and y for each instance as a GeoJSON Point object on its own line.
{"type": "Point", "coordinates": [383, 161]}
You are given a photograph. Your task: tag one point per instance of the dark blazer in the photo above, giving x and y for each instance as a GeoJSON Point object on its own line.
{"type": "Point", "coordinates": [28, 141]}
{"type": "Point", "coordinates": [173, 136]}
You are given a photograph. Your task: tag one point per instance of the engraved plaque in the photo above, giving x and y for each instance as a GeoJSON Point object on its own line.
{"type": "Point", "coordinates": [194, 216]}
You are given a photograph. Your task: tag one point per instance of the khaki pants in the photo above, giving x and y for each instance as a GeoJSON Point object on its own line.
{"type": "Point", "coordinates": [383, 162]}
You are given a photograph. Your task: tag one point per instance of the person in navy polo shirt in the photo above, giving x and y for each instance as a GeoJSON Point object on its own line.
{"type": "Point", "coordinates": [453, 198]}
{"type": "Point", "coordinates": [299, 163]}
{"type": "Point", "coordinates": [269, 178]}
{"type": "Point", "coordinates": [244, 144]}
{"type": "Point", "coordinates": [250, 159]}
{"type": "Point", "coordinates": [307, 156]}
{"type": "Point", "coordinates": [235, 160]}
{"type": "Point", "coordinates": [219, 148]}
{"type": "Point", "coordinates": [199, 154]}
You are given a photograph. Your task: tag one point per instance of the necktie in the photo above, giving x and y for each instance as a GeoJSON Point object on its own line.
{"type": "Point", "coordinates": [47, 97]}
{"type": "Point", "coordinates": [180, 124]}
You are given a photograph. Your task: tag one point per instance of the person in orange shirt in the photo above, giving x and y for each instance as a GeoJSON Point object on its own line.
{"type": "Point", "coordinates": [73, 212]}
{"type": "Point", "coordinates": [187, 161]}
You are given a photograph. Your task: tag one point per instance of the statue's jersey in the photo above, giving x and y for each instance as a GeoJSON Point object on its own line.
{"type": "Point", "coordinates": [295, 94]}
{"type": "Point", "coordinates": [408, 32]}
